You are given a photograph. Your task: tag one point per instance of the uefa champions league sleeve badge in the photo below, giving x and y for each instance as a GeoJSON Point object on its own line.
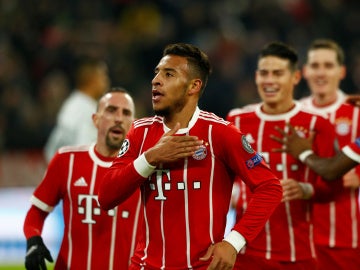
{"type": "Point", "coordinates": [124, 147]}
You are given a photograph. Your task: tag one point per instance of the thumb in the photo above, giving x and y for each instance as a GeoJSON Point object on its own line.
{"type": "Point", "coordinates": [208, 254]}
{"type": "Point", "coordinates": [173, 130]}
{"type": "Point", "coordinates": [48, 256]}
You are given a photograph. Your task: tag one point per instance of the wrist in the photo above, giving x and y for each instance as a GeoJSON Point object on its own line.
{"type": "Point", "coordinates": [305, 154]}
{"type": "Point", "coordinates": [34, 240]}
{"type": "Point", "coordinates": [236, 240]}
{"type": "Point", "coordinates": [307, 189]}
{"type": "Point", "coordinates": [143, 167]}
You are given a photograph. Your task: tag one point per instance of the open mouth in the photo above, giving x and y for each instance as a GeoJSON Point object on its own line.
{"type": "Point", "coordinates": [156, 95]}
{"type": "Point", "coordinates": [117, 131]}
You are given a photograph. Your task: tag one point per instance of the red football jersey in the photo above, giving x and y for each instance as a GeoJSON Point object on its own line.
{"type": "Point", "coordinates": [93, 238]}
{"type": "Point", "coordinates": [337, 223]}
{"type": "Point", "coordinates": [353, 150]}
{"type": "Point", "coordinates": [185, 203]}
{"type": "Point", "coordinates": [287, 235]}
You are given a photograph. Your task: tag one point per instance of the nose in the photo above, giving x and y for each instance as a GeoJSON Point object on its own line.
{"type": "Point", "coordinates": [119, 117]}
{"type": "Point", "coordinates": [156, 80]}
{"type": "Point", "coordinates": [268, 79]}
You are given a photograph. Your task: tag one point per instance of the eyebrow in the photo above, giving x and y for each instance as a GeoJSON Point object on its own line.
{"type": "Point", "coordinates": [165, 69]}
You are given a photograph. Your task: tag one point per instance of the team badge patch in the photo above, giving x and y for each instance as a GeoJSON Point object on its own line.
{"type": "Point", "coordinates": [246, 145]}
{"type": "Point", "coordinates": [124, 147]}
{"type": "Point", "coordinates": [253, 161]}
{"type": "Point", "coordinates": [200, 153]}
{"type": "Point", "coordinates": [343, 126]}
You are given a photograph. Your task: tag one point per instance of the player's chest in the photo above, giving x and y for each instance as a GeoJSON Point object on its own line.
{"type": "Point", "coordinates": [346, 123]}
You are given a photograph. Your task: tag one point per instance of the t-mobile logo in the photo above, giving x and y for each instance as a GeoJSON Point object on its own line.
{"type": "Point", "coordinates": [89, 206]}
{"type": "Point", "coordinates": [162, 183]}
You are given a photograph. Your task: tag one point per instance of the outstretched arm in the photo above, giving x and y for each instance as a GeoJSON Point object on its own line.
{"type": "Point", "coordinates": [300, 148]}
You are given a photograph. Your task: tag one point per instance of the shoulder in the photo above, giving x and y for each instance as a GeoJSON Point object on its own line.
{"type": "Point", "coordinates": [147, 121]}
{"type": "Point", "coordinates": [211, 117]}
{"type": "Point", "coordinates": [73, 149]}
{"type": "Point", "coordinates": [246, 109]}
{"type": "Point", "coordinates": [309, 111]}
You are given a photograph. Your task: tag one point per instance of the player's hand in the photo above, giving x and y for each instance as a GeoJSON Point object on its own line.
{"type": "Point", "coordinates": [351, 180]}
{"type": "Point", "coordinates": [291, 190]}
{"type": "Point", "coordinates": [171, 147]}
{"type": "Point", "coordinates": [291, 142]}
{"type": "Point", "coordinates": [36, 254]}
{"type": "Point", "coordinates": [223, 256]}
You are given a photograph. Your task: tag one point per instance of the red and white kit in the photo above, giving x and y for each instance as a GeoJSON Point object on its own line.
{"type": "Point", "coordinates": [338, 222]}
{"type": "Point", "coordinates": [287, 236]}
{"type": "Point", "coordinates": [93, 238]}
{"type": "Point", "coordinates": [353, 150]}
{"type": "Point", "coordinates": [186, 202]}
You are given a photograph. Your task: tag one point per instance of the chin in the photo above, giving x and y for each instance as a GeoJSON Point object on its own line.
{"type": "Point", "coordinates": [161, 112]}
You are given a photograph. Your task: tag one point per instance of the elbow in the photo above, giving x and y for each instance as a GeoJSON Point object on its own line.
{"type": "Point", "coordinates": [104, 202]}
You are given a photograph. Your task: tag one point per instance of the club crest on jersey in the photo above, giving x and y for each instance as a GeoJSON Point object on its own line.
{"type": "Point", "coordinates": [343, 126]}
{"type": "Point", "coordinates": [246, 145]}
{"type": "Point", "coordinates": [254, 161]}
{"type": "Point", "coordinates": [124, 147]}
{"type": "Point", "coordinates": [200, 153]}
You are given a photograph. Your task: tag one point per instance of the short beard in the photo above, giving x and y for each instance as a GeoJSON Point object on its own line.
{"type": "Point", "coordinates": [177, 107]}
{"type": "Point", "coordinates": [114, 145]}
{"type": "Point", "coordinates": [164, 112]}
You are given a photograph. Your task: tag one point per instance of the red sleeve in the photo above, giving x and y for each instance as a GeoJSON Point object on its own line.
{"type": "Point", "coordinates": [352, 150]}
{"type": "Point", "coordinates": [34, 222]}
{"type": "Point", "coordinates": [121, 180]}
{"type": "Point", "coordinates": [252, 169]}
{"type": "Point", "coordinates": [118, 184]}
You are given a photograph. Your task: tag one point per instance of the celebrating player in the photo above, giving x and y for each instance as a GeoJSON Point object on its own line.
{"type": "Point", "coordinates": [93, 238]}
{"type": "Point", "coordinates": [184, 160]}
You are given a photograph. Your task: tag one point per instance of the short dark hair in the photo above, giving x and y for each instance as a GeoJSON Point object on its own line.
{"type": "Point", "coordinates": [283, 51]}
{"type": "Point", "coordinates": [331, 45]}
{"type": "Point", "coordinates": [86, 66]}
{"type": "Point", "coordinates": [198, 60]}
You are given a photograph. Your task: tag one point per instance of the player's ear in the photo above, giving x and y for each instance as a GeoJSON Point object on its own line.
{"type": "Point", "coordinates": [95, 119]}
{"type": "Point", "coordinates": [195, 86]}
{"type": "Point", "coordinates": [342, 72]}
{"type": "Point", "coordinates": [297, 77]}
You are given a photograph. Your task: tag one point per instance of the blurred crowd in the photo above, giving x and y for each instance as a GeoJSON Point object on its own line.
{"type": "Point", "coordinates": [41, 40]}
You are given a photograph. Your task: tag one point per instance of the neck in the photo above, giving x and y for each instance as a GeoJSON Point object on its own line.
{"type": "Point", "coordinates": [322, 100]}
{"type": "Point", "coordinates": [183, 117]}
{"type": "Point", "coordinates": [106, 151]}
{"type": "Point", "coordinates": [277, 108]}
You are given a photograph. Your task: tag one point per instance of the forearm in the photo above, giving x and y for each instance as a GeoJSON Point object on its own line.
{"type": "Point", "coordinates": [34, 222]}
{"type": "Point", "coordinates": [264, 201]}
{"type": "Point", "coordinates": [330, 168]}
